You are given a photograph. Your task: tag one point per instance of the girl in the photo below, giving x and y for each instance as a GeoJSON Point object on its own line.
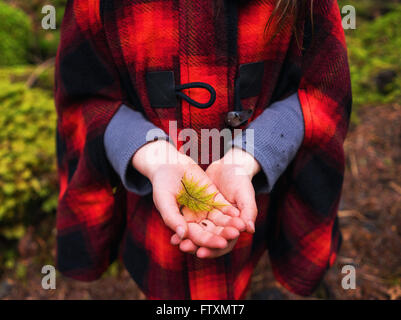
{"type": "Point", "coordinates": [127, 70]}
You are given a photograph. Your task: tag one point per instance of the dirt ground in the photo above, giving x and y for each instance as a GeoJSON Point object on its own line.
{"type": "Point", "coordinates": [369, 218]}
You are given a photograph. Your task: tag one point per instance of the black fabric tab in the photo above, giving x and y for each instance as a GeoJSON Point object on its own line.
{"type": "Point", "coordinates": [161, 89]}
{"type": "Point", "coordinates": [251, 77]}
{"type": "Point", "coordinates": [287, 82]}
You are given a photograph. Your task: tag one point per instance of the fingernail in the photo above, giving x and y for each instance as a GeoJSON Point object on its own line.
{"type": "Point", "coordinates": [235, 234]}
{"type": "Point", "coordinates": [180, 232]}
{"type": "Point", "coordinates": [251, 225]}
{"type": "Point", "coordinates": [174, 241]}
{"type": "Point", "coordinates": [222, 244]}
{"type": "Point", "coordinates": [199, 254]}
{"type": "Point", "coordinates": [239, 224]}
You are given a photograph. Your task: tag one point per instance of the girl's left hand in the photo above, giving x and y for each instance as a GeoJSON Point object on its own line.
{"type": "Point", "coordinates": [232, 175]}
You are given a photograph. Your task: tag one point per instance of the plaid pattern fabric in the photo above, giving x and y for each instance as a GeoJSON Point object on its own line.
{"type": "Point", "coordinates": [106, 49]}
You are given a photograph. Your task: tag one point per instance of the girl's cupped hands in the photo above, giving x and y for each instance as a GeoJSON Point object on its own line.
{"type": "Point", "coordinates": [206, 234]}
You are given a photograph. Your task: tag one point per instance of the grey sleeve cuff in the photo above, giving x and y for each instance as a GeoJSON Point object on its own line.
{"type": "Point", "coordinates": [278, 133]}
{"type": "Point", "coordinates": [125, 134]}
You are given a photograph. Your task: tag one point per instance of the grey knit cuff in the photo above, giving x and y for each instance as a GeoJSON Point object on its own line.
{"type": "Point", "coordinates": [278, 134]}
{"type": "Point", "coordinates": [125, 134]}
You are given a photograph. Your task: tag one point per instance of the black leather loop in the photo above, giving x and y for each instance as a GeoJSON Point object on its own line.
{"type": "Point", "coordinates": [191, 85]}
{"type": "Point", "coordinates": [163, 91]}
{"type": "Point", "coordinates": [251, 79]}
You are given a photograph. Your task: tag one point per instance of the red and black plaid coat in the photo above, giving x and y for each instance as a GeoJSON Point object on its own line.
{"type": "Point", "coordinates": [106, 50]}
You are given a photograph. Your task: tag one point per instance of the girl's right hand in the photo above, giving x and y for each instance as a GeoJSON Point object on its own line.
{"type": "Point", "coordinates": [164, 166]}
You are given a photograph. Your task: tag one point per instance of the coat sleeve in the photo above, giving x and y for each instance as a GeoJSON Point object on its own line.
{"type": "Point", "coordinates": [304, 237]}
{"type": "Point", "coordinates": [125, 135]}
{"type": "Point", "coordinates": [325, 87]}
{"type": "Point", "coordinates": [87, 94]}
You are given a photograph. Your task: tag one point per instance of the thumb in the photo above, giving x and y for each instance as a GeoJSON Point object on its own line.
{"type": "Point", "coordinates": [170, 213]}
{"type": "Point", "coordinates": [248, 210]}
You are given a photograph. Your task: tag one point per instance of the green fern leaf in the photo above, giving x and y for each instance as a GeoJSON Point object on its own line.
{"type": "Point", "coordinates": [195, 197]}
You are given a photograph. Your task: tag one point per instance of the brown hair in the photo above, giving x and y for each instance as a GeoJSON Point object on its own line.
{"type": "Point", "coordinates": [286, 11]}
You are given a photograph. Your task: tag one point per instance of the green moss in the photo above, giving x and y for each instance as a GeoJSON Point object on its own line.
{"type": "Point", "coordinates": [15, 35]}
{"type": "Point", "coordinates": [44, 43]}
{"type": "Point", "coordinates": [28, 186]}
{"type": "Point", "coordinates": [374, 49]}
{"type": "Point", "coordinates": [370, 9]}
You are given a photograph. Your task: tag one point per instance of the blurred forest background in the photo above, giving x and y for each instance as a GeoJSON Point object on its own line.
{"type": "Point", "coordinates": [371, 206]}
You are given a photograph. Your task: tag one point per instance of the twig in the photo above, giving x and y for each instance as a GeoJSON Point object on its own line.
{"type": "Point", "coordinates": [354, 165]}
{"type": "Point", "coordinates": [38, 71]}
{"type": "Point", "coordinates": [372, 278]}
{"type": "Point", "coordinates": [395, 187]}
{"type": "Point", "coordinates": [350, 213]}
{"type": "Point", "coordinates": [347, 260]}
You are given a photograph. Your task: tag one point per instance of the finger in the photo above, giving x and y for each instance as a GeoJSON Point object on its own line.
{"type": "Point", "coordinates": [175, 239]}
{"type": "Point", "coordinates": [228, 208]}
{"type": "Point", "coordinates": [227, 233]}
{"type": "Point", "coordinates": [238, 223]}
{"type": "Point", "coordinates": [188, 246]}
{"type": "Point", "coordinates": [204, 238]}
{"type": "Point", "coordinates": [247, 204]}
{"type": "Point", "coordinates": [220, 219]}
{"type": "Point", "coordinates": [170, 213]}
{"type": "Point", "coordinates": [207, 253]}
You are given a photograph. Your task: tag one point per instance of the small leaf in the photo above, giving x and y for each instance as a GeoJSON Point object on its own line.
{"type": "Point", "coordinates": [195, 197]}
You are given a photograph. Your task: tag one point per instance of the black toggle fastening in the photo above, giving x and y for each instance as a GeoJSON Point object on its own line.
{"type": "Point", "coordinates": [163, 92]}
{"type": "Point", "coordinates": [239, 116]}
{"type": "Point", "coordinates": [248, 84]}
